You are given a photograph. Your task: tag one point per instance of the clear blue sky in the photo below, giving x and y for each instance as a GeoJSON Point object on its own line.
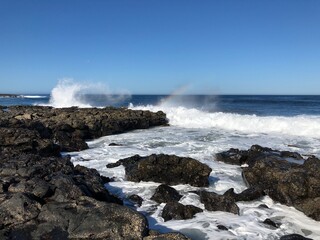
{"type": "Point", "coordinates": [157, 46]}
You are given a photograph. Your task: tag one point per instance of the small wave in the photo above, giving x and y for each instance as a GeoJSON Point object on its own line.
{"type": "Point", "coordinates": [32, 96]}
{"type": "Point", "coordinates": [302, 125]}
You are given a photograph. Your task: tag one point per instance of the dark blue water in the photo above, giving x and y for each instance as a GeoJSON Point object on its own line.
{"type": "Point", "coordinates": [260, 105]}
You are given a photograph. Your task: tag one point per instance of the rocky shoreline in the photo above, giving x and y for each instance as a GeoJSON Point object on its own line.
{"type": "Point", "coordinates": [44, 196]}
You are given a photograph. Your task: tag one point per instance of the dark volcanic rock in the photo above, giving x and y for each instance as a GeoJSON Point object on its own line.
{"type": "Point", "coordinates": [136, 199]}
{"type": "Point", "coordinates": [249, 194]}
{"type": "Point", "coordinates": [165, 193]}
{"type": "Point", "coordinates": [178, 211]}
{"type": "Point", "coordinates": [216, 202]}
{"type": "Point", "coordinates": [167, 169]}
{"type": "Point", "coordinates": [239, 157]}
{"type": "Point", "coordinates": [288, 183]}
{"type": "Point", "coordinates": [294, 237]}
{"type": "Point", "coordinates": [221, 227]}
{"type": "Point", "coordinates": [84, 218]}
{"type": "Point", "coordinates": [167, 236]}
{"type": "Point", "coordinates": [270, 173]}
{"type": "Point", "coordinates": [67, 127]}
{"type": "Point", "coordinates": [271, 223]}
{"type": "Point", "coordinates": [42, 195]}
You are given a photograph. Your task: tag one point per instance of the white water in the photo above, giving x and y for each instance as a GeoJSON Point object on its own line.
{"type": "Point", "coordinates": [33, 96]}
{"type": "Point", "coordinates": [303, 125]}
{"type": "Point", "coordinates": [200, 135]}
{"type": "Point", "coordinates": [69, 93]}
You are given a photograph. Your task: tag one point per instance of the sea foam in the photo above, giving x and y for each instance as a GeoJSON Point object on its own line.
{"type": "Point", "coordinates": [301, 125]}
{"type": "Point", "coordinates": [69, 93]}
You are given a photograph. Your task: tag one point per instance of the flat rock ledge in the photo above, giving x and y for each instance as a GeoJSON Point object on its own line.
{"type": "Point", "coordinates": [285, 176]}
{"type": "Point", "coordinates": [166, 169]}
{"type": "Point", "coordinates": [47, 130]}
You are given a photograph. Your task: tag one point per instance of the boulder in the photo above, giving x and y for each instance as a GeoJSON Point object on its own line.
{"type": "Point", "coordinates": [165, 193]}
{"type": "Point", "coordinates": [288, 183]}
{"type": "Point", "coordinates": [282, 175]}
{"type": "Point", "coordinates": [178, 211]}
{"type": "Point", "coordinates": [215, 202]}
{"type": "Point", "coordinates": [167, 169]}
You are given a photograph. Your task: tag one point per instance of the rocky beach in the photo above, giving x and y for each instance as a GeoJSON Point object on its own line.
{"type": "Point", "coordinates": [44, 196]}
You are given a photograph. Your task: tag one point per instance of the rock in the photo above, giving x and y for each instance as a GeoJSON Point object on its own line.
{"type": "Point", "coordinates": [221, 227]}
{"type": "Point", "coordinates": [136, 199]}
{"type": "Point", "coordinates": [115, 145]}
{"type": "Point", "coordinates": [42, 195]}
{"type": "Point", "coordinates": [165, 193]}
{"type": "Point", "coordinates": [294, 237]}
{"type": "Point", "coordinates": [86, 218]}
{"type": "Point", "coordinates": [167, 169]}
{"type": "Point", "coordinates": [271, 223]}
{"type": "Point", "coordinates": [18, 208]}
{"type": "Point", "coordinates": [178, 211]}
{"type": "Point", "coordinates": [288, 182]}
{"type": "Point", "coordinates": [215, 202]}
{"type": "Point", "coordinates": [168, 236]}
{"type": "Point", "coordinates": [68, 127]}
{"type": "Point", "coordinates": [239, 157]}
{"type": "Point", "coordinates": [249, 194]}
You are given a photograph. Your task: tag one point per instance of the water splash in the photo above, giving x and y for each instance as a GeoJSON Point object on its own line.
{"type": "Point", "coordinates": [68, 93]}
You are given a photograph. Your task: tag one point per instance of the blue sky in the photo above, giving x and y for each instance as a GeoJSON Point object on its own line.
{"type": "Point", "coordinates": [158, 46]}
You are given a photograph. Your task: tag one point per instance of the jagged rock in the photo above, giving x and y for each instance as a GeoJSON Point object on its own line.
{"type": "Point", "coordinates": [215, 202]}
{"type": "Point", "coordinates": [288, 183]}
{"type": "Point", "coordinates": [239, 157]}
{"type": "Point", "coordinates": [292, 183]}
{"type": "Point", "coordinates": [85, 218]}
{"type": "Point", "coordinates": [178, 211]}
{"type": "Point", "coordinates": [42, 195]}
{"type": "Point", "coordinates": [167, 169]}
{"type": "Point", "coordinates": [165, 193]}
{"type": "Point", "coordinates": [67, 127]}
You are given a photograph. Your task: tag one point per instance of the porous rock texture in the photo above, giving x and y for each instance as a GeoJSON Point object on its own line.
{"type": "Point", "coordinates": [167, 169]}
{"type": "Point", "coordinates": [285, 176]}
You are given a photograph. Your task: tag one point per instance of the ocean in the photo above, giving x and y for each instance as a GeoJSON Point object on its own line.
{"type": "Point", "coordinates": [200, 126]}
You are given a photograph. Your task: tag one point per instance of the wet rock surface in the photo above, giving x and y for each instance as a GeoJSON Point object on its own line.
{"type": "Point", "coordinates": [165, 193]}
{"type": "Point", "coordinates": [167, 169]}
{"type": "Point", "coordinates": [42, 194]}
{"type": "Point", "coordinates": [39, 129]}
{"type": "Point", "coordinates": [284, 176]}
{"type": "Point", "coordinates": [178, 211]}
{"type": "Point", "coordinates": [215, 202]}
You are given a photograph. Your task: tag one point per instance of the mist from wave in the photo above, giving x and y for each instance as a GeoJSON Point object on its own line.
{"type": "Point", "coordinates": [200, 117]}
{"type": "Point", "coordinates": [69, 93]}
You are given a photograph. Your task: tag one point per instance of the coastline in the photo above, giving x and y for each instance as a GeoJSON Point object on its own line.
{"type": "Point", "coordinates": [32, 137]}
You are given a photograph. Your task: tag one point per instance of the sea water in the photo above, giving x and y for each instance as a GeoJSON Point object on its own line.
{"type": "Point", "coordinates": [200, 127]}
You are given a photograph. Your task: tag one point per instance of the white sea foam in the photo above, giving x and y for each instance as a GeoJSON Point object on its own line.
{"type": "Point", "coordinates": [303, 125]}
{"type": "Point", "coordinates": [70, 93]}
{"type": "Point", "coordinates": [200, 135]}
{"type": "Point", "coordinates": [202, 144]}
{"type": "Point", "coordinates": [33, 96]}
